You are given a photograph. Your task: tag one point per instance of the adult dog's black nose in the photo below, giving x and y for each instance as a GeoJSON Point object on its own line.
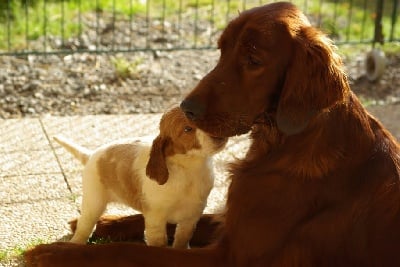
{"type": "Point", "coordinates": [192, 109]}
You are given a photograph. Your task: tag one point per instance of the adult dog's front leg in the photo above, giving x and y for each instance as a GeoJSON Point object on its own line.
{"type": "Point", "coordinates": [121, 254]}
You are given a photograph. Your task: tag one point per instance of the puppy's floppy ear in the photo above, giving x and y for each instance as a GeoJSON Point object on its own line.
{"type": "Point", "coordinates": [156, 168]}
{"type": "Point", "coordinates": [314, 81]}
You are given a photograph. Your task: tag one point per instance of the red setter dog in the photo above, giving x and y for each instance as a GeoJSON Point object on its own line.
{"type": "Point", "coordinates": [319, 185]}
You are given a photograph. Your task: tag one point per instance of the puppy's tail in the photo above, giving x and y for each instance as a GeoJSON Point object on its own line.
{"type": "Point", "coordinates": [79, 152]}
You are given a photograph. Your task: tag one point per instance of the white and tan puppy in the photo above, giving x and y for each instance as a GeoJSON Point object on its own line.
{"type": "Point", "coordinates": [168, 181]}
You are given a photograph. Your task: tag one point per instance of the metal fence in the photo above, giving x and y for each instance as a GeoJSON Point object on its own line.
{"type": "Point", "coordinates": [69, 26]}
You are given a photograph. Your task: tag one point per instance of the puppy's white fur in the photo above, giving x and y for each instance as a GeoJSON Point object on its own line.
{"type": "Point", "coordinates": [117, 173]}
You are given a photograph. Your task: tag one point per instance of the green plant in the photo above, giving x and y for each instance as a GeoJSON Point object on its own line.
{"type": "Point", "coordinates": [3, 255]}
{"type": "Point", "coordinates": [366, 102]}
{"type": "Point", "coordinates": [73, 197]}
{"type": "Point", "coordinates": [126, 69]}
{"type": "Point", "coordinates": [102, 240]}
{"type": "Point", "coordinates": [19, 250]}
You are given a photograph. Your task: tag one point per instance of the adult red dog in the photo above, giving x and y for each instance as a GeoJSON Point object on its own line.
{"type": "Point", "coordinates": [319, 185]}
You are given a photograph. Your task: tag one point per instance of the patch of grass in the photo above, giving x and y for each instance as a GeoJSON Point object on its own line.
{"type": "Point", "coordinates": [349, 51]}
{"type": "Point", "coordinates": [3, 255]}
{"type": "Point", "coordinates": [367, 102]}
{"type": "Point", "coordinates": [19, 250]}
{"type": "Point", "coordinates": [94, 241]}
{"type": "Point", "coordinates": [74, 197]}
{"type": "Point", "coordinates": [391, 48]}
{"type": "Point", "coordinates": [126, 69]}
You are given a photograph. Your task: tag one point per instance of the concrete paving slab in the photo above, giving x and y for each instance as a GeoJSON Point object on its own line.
{"type": "Point", "coordinates": [22, 135]}
{"type": "Point", "coordinates": [30, 188]}
{"type": "Point", "coordinates": [68, 163]}
{"type": "Point", "coordinates": [27, 162]}
{"type": "Point", "coordinates": [28, 223]}
{"type": "Point", "coordinates": [74, 179]}
{"type": "Point", "coordinates": [93, 131]}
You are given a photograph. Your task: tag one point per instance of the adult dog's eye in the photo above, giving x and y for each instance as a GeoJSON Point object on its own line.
{"type": "Point", "coordinates": [253, 61]}
{"type": "Point", "coordinates": [188, 129]}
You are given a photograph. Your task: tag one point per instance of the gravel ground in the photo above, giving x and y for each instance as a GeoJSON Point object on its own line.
{"type": "Point", "coordinates": [92, 84]}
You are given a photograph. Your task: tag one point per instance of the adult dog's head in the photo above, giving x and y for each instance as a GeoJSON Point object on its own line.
{"type": "Point", "coordinates": [273, 63]}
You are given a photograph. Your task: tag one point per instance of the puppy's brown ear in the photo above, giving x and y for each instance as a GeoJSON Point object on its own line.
{"type": "Point", "coordinates": [314, 81]}
{"type": "Point", "coordinates": [156, 168]}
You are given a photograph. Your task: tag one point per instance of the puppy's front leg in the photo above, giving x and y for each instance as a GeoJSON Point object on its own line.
{"type": "Point", "coordinates": [183, 233]}
{"type": "Point", "coordinates": [155, 231]}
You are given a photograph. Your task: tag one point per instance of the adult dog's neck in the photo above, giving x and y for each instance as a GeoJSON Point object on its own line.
{"type": "Point", "coordinates": [326, 142]}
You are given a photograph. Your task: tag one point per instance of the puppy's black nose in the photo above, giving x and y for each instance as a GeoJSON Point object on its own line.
{"type": "Point", "coordinates": [192, 109]}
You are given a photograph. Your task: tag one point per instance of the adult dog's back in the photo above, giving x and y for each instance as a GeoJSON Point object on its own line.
{"type": "Point", "coordinates": [319, 185]}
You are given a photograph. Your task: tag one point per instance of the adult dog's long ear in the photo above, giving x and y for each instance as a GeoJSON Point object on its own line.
{"type": "Point", "coordinates": [156, 168]}
{"type": "Point", "coordinates": [314, 81]}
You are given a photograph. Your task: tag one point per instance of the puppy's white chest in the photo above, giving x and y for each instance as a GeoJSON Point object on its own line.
{"type": "Point", "coordinates": [183, 196]}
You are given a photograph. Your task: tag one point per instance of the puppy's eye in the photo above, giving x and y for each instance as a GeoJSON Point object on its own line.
{"type": "Point", "coordinates": [188, 129]}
